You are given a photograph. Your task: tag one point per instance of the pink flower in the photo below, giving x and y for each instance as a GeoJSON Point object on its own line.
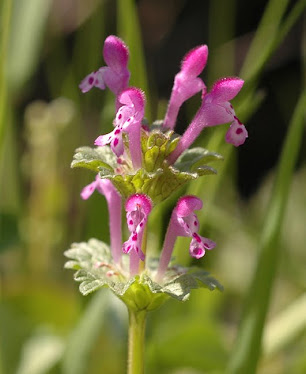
{"type": "Point", "coordinates": [184, 222]}
{"type": "Point", "coordinates": [97, 184]}
{"type": "Point", "coordinates": [128, 120]}
{"type": "Point", "coordinates": [186, 82]}
{"type": "Point", "coordinates": [105, 187]}
{"type": "Point", "coordinates": [115, 75]}
{"type": "Point", "coordinates": [216, 109]}
{"type": "Point", "coordinates": [189, 225]}
{"type": "Point", "coordinates": [138, 207]}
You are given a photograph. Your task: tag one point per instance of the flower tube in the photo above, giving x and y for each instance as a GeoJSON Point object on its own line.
{"type": "Point", "coordinates": [186, 83]}
{"type": "Point", "coordinates": [113, 200]}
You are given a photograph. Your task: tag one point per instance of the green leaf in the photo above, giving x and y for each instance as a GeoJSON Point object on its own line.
{"type": "Point", "coordinates": [205, 170]}
{"type": "Point", "coordinates": [194, 158]}
{"type": "Point", "coordinates": [90, 282]}
{"type": "Point", "coordinates": [156, 179]}
{"type": "Point", "coordinates": [145, 293]}
{"type": "Point", "coordinates": [96, 269]}
{"type": "Point", "coordinates": [157, 185]}
{"type": "Point", "coordinates": [156, 147]}
{"type": "Point", "coordinates": [181, 285]}
{"type": "Point", "coordinates": [206, 281]}
{"type": "Point", "coordinates": [88, 258]}
{"type": "Point", "coordinates": [89, 253]}
{"type": "Point", "coordinates": [100, 159]}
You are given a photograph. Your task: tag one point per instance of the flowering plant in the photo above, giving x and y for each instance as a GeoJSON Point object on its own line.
{"type": "Point", "coordinates": [139, 165]}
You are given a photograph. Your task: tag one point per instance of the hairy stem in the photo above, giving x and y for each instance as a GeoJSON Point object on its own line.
{"type": "Point", "coordinates": [137, 321]}
{"type": "Point", "coordinates": [166, 252]}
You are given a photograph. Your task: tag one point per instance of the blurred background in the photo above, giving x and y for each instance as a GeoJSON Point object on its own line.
{"type": "Point", "coordinates": [47, 48]}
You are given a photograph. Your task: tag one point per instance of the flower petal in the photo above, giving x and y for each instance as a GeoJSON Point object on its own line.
{"type": "Point", "coordinates": [196, 250]}
{"type": "Point", "coordinates": [213, 114]}
{"type": "Point", "coordinates": [88, 190]}
{"type": "Point", "coordinates": [117, 144]}
{"type": "Point", "coordinates": [115, 81]}
{"type": "Point", "coordinates": [226, 89]}
{"type": "Point", "coordinates": [134, 97]}
{"type": "Point", "coordinates": [115, 53]}
{"type": "Point", "coordinates": [103, 139]}
{"type": "Point", "coordinates": [199, 244]}
{"type": "Point", "coordinates": [88, 82]}
{"type": "Point", "coordinates": [184, 88]}
{"type": "Point", "coordinates": [99, 79]}
{"type": "Point", "coordinates": [195, 60]}
{"type": "Point", "coordinates": [139, 200]}
{"type": "Point", "coordinates": [187, 204]}
{"type": "Point", "coordinates": [236, 134]}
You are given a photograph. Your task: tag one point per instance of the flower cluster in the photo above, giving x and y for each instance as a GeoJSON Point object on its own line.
{"type": "Point", "coordinates": [142, 165]}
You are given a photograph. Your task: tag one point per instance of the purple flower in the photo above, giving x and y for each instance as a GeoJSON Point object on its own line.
{"type": "Point", "coordinates": [186, 82]}
{"type": "Point", "coordinates": [184, 222]}
{"type": "Point", "coordinates": [128, 120]}
{"type": "Point", "coordinates": [115, 75]}
{"type": "Point", "coordinates": [105, 187]}
{"type": "Point", "coordinates": [216, 109]}
{"type": "Point", "coordinates": [137, 207]}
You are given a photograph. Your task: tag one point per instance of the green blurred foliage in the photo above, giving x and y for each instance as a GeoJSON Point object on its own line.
{"type": "Point", "coordinates": [47, 47]}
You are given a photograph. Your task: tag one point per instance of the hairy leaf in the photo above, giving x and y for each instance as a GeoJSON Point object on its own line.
{"type": "Point", "coordinates": [95, 269]}
{"type": "Point", "coordinates": [99, 159]}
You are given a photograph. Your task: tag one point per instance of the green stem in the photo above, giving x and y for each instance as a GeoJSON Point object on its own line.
{"type": "Point", "coordinates": [137, 322]}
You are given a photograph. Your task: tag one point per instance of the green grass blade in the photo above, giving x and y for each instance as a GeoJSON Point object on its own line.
{"type": "Point", "coordinates": [221, 52]}
{"type": "Point", "coordinates": [28, 25]}
{"type": "Point", "coordinates": [6, 12]}
{"type": "Point", "coordinates": [128, 29]}
{"type": "Point", "coordinates": [246, 353]}
{"type": "Point", "coordinates": [270, 34]}
{"type": "Point", "coordinates": [264, 38]}
{"type": "Point", "coordinates": [285, 327]}
{"type": "Point", "coordinates": [85, 335]}
{"type": "Point", "coordinates": [290, 20]}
